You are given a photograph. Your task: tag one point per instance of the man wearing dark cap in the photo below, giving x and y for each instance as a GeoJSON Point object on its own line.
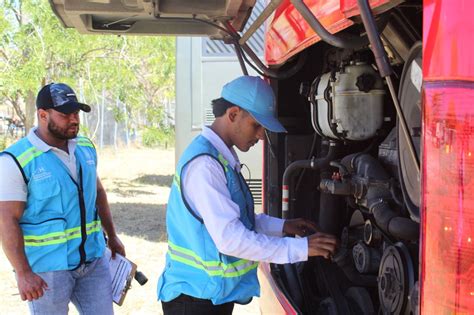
{"type": "Point", "coordinates": [214, 237]}
{"type": "Point", "coordinates": [53, 209]}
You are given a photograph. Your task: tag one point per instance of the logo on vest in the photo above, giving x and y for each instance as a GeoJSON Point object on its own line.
{"type": "Point", "coordinates": [89, 158]}
{"type": "Point", "coordinates": [40, 173]}
{"type": "Point", "coordinates": [90, 162]}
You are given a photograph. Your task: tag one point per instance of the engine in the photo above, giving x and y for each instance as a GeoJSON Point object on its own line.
{"type": "Point", "coordinates": [353, 174]}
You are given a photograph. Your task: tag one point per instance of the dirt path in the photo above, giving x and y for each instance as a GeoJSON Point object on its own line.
{"type": "Point", "coordinates": [137, 182]}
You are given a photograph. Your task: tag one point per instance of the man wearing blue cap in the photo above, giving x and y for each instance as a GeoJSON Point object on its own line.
{"type": "Point", "coordinates": [52, 211]}
{"type": "Point", "coordinates": [214, 237]}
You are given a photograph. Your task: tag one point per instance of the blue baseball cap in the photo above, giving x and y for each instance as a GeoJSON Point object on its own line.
{"type": "Point", "coordinates": [60, 97]}
{"type": "Point", "coordinates": [256, 97]}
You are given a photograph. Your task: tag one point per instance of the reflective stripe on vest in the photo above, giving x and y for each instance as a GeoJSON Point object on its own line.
{"type": "Point", "coordinates": [28, 156]}
{"type": "Point", "coordinates": [84, 142]}
{"type": "Point", "coordinates": [223, 161]}
{"type": "Point", "coordinates": [60, 237]}
{"type": "Point", "coordinates": [212, 268]}
{"type": "Point", "coordinates": [177, 181]}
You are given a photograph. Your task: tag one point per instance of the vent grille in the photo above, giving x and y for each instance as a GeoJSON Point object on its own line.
{"type": "Point", "coordinates": [208, 117]}
{"type": "Point", "coordinates": [217, 48]}
{"type": "Point", "coordinates": [255, 186]}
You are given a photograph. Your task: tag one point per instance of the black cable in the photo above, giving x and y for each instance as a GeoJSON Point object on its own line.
{"type": "Point", "coordinates": [248, 169]}
{"type": "Point", "coordinates": [247, 61]}
{"type": "Point", "coordinates": [235, 38]}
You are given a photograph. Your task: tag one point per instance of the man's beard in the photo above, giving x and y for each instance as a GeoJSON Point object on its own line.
{"type": "Point", "coordinates": [61, 133]}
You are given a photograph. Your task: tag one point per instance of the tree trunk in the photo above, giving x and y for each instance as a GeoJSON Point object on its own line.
{"type": "Point", "coordinates": [30, 111]}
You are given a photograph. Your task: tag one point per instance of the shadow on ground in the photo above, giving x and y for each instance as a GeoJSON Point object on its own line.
{"type": "Point", "coordinates": [141, 220]}
{"type": "Point", "coordinates": [159, 180]}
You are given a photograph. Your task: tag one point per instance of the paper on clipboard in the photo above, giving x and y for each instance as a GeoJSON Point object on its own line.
{"type": "Point", "coordinates": [122, 272]}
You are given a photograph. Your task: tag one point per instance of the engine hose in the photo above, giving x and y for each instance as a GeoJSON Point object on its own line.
{"type": "Point", "coordinates": [388, 220]}
{"type": "Point", "coordinates": [290, 171]}
{"type": "Point", "coordinates": [393, 224]}
{"type": "Point", "coordinates": [330, 207]}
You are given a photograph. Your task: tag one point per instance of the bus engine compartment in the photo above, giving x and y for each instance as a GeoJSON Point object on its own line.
{"type": "Point", "coordinates": [346, 165]}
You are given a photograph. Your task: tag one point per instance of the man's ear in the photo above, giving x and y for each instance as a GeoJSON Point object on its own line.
{"type": "Point", "coordinates": [42, 114]}
{"type": "Point", "coordinates": [232, 113]}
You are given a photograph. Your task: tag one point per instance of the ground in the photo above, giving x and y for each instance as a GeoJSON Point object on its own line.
{"type": "Point", "coordinates": [137, 181]}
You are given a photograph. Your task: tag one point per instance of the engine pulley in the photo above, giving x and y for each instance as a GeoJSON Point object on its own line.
{"type": "Point", "coordinates": [366, 259]}
{"type": "Point", "coordinates": [395, 280]}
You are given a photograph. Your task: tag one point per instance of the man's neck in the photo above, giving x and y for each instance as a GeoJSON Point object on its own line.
{"type": "Point", "coordinates": [52, 141]}
{"type": "Point", "coordinates": [220, 130]}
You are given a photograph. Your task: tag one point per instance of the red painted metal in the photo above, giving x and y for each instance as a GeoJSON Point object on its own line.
{"type": "Point", "coordinates": [289, 33]}
{"type": "Point", "coordinates": [448, 45]}
{"type": "Point", "coordinates": [447, 242]}
{"type": "Point", "coordinates": [447, 255]}
{"type": "Point", "coordinates": [264, 268]}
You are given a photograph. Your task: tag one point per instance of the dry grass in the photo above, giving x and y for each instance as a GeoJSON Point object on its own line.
{"type": "Point", "coordinates": [137, 181]}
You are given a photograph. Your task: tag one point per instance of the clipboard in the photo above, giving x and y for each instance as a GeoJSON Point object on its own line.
{"type": "Point", "coordinates": [122, 272]}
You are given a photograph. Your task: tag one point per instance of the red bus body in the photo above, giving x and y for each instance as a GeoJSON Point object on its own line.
{"type": "Point", "coordinates": [447, 217]}
{"type": "Point", "coordinates": [289, 34]}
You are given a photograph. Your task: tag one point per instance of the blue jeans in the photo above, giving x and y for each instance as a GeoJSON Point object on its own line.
{"type": "Point", "coordinates": [88, 287]}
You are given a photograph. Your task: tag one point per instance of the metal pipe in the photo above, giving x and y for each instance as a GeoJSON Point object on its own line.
{"type": "Point", "coordinates": [259, 21]}
{"type": "Point", "coordinates": [385, 71]}
{"type": "Point", "coordinates": [346, 41]}
{"type": "Point", "coordinates": [381, 58]}
{"type": "Point", "coordinates": [301, 164]}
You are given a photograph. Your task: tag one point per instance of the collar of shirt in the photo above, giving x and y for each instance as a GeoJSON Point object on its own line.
{"type": "Point", "coordinates": [44, 147]}
{"type": "Point", "coordinates": [229, 153]}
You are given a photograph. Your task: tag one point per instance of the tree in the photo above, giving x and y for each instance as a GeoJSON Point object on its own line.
{"type": "Point", "coordinates": [36, 49]}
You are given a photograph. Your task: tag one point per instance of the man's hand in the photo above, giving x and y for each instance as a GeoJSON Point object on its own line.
{"type": "Point", "coordinates": [322, 244]}
{"type": "Point", "coordinates": [300, 227]}
{"type": "Point", "coordinates": [30, 285]}
{"type": "Point", "coordinates": [115, 246]}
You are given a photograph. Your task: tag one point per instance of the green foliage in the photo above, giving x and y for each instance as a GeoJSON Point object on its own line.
{"type": "Point", "coordinates": [6, 140]}
{"type": "Point", "coordinates": [3, 143]}
{"type": "Point", "coordinates": [84, 131]}
{"type": "Point", "coordinates": [158, 137]}
{"type": "Point", "coordinates": [36, 49]}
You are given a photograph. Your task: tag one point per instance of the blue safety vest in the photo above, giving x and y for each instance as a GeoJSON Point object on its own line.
{"type": "Point", "coordinates": [60, 224]}
{"type": "Point", "coordinates": [194, 265]}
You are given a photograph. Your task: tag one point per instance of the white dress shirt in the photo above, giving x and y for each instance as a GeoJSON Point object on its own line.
{"type": "Point", "coordinates": [12, 184]}
{"type": "Point", "coordinates": [205, 190]}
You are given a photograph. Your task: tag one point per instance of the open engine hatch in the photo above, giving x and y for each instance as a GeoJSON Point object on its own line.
{"type": "Point", "coordinates": [152, 17]}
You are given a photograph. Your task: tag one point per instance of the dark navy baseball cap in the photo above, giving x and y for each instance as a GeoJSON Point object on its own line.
{"type": "Point", "coordinates": [60, 97]}
{"type": "Point", "coordinates": [256, 97]}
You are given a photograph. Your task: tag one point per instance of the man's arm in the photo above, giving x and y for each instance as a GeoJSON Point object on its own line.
{"type": "Point", "coordinates": [269, 225]}
{"type": "Point", "coordinates": [103, 208]}
{"type": "Point", "coordinates": [221, 215]}
{"type": "Point", "coordinates": [30, 285]}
